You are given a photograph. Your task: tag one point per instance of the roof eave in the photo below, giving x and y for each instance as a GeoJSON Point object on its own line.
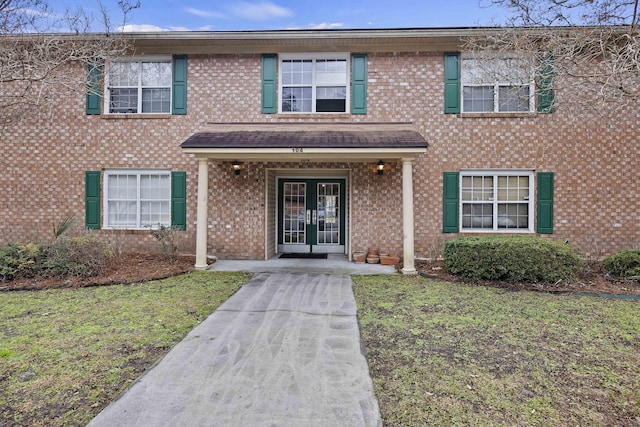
{"type": "Point", "coordinates": [309, 154]}
{"type": "Point", "coordinates": [284, 41]}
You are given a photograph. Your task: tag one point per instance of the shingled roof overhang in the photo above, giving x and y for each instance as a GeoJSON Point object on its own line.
{"type": "Point", "coordinates": [359, 142]}
{"type": "Point", "coordinates": [281, 41]}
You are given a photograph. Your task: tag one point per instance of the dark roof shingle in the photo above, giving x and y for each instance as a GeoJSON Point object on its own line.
{"type": "Point", "coordinates": [306, 139]}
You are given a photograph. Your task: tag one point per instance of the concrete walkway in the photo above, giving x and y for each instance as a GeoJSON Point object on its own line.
{"type": "Point", "coordinates": [283, 351]}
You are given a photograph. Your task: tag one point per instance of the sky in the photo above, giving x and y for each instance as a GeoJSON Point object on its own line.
{"type": "Point", "coordinates": [230, 15]}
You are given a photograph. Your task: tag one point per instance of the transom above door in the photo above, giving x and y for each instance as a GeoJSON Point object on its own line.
{"type": "Point", "coordinates": [311, 215]}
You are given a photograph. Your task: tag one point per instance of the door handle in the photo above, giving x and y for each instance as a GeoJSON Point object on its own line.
{"type": "Point", "coordinates": [315, 217]}
{"type": "Point", "coordinates": [308, 216]}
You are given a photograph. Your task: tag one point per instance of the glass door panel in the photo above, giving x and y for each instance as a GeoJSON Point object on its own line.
{"type": "Point", "coordinates": [294, 213]}
{"type": "Point", "coordinates": [311, 215]}
{"type": "Point", "coordinates": [328, 231]}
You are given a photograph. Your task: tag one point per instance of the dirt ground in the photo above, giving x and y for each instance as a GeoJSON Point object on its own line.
{"type": "Point", "coordinates": [141, 267]}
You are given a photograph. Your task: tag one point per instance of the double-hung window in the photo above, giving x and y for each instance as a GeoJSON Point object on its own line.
{"type": "Point", "coordinates": [139, 86]}
{"type": "Point", "coordinates": [136, 199]}
{"type": "Point", "coordinates": [314, 83]}
{"type": "Point", "coordinates": [496, 84]}
{"type": "Point", "coordinates": [496, 200]}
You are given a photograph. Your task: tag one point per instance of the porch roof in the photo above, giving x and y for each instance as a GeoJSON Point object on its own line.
{"type": "Point", "coordinates": [308, 141]}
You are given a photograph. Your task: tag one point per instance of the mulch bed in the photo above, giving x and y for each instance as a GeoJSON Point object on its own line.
{"type": "Point", "coordinates": [122, 269]}
{"type": "Point", "coordinates": [592, 279]}
{"type": "Point", "coordinates": [141, 267]}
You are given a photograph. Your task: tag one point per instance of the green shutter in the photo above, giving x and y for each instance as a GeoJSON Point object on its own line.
{"type": "Point", "coordinates": [450, 202]}
{"type": "Point", "coordinates": [545, 203]}
{"type": "Point", "coordinates": [92, 199]}
{"type": "Point", "coordinates": [269, 83]}
{"type": "Point", "coordinates": [179, 200]}
{"type": "Point", "coordinates": [93, 89]}
{"type": "Point", "coordinates": [546, 93]}
{"type": "Point", "coordinates": [452, 83]}
{"type": "Point", "coordinates": [179, 87]}
{"type": "Point", "coordinates": [359, 84]}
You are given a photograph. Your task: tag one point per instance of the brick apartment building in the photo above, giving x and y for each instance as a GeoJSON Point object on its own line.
{"type": "Point", "coordinates": [258, 143]}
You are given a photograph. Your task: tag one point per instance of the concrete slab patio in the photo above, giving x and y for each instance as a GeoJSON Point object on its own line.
{"type": "Point", "coordinates": [283, 351]}
{"type": "Point", "coordinates": [334, 264]}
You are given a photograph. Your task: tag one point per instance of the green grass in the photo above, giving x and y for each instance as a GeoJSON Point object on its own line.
{"type": "Point", "coordinates": [439, 353]}
{"type": "Point", "coordinates": [455, 354]}
{"type": "Point", "coordinates": [65, 354]}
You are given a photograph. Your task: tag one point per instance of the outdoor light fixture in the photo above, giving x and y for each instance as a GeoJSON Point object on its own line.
{"type": "Point", "coordinates": [236, 167]}
{"type": "Point", "coordinates": [380, 167]}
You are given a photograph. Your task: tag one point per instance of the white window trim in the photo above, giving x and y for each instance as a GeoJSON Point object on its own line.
{"type": "Point", "coordinates": [105, 196]}
{"type": "Point", "coordinates": [496, 84]}
{"type": "Point", "coordinates": [499, 172]}
{"type": "Point", "coordinates": [496, 99]}
{"type": "Point", "coordinates": [315, 56]}
{"type": "Point", "coordinates": [139, 59]}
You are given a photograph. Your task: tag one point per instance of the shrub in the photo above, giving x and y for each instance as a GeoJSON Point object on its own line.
{"type": "Point", "coordinates": [625, 263]}
{"type": "Point", "coordinates": [167, 238]}
{"type": "Point", "coordinates": [75, 256]}
{"type": "Point", "coordinates": [8, 262]}
{"type": "Point", "coordinates": [18, 259]}
{"type": "Point", "coordinates": [511, 258]}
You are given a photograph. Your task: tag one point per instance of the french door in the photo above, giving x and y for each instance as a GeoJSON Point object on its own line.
{"type": "Point", "coordinates": [311, 215]}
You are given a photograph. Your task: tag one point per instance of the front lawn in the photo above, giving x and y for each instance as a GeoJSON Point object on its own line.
{"type": "Point", "coordinates": [454, 354]}
{"type": "Point", "coordinates": [440, 353]}
{"type": "Point", "coordinates": [66, 353]}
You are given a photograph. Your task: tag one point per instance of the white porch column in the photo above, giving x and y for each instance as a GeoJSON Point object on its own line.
{"type": "Point", "coordinates": [407, 217]}
{"type": "Point", "coordinates": [203, 204]}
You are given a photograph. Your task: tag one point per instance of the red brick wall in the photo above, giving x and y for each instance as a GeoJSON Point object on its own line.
{"type": "Point", "coordinates": [595, 158]}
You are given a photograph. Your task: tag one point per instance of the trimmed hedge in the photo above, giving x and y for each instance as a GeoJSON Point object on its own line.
{"type": "Point", "coordinates": [511, 258]}
{"type": "Point", "coordinates": [625, 263]}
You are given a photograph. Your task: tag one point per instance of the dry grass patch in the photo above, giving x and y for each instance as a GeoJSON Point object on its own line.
{"type": "Point", "coordinates": [66, 353]}
{"type": "Point", "coordinates": [454, 354]}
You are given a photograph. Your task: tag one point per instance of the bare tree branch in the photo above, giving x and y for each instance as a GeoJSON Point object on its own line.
{"type": "Point", "coordinates": [36, 45]}
{"type": "Point", "coordinates": [595, 46]}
